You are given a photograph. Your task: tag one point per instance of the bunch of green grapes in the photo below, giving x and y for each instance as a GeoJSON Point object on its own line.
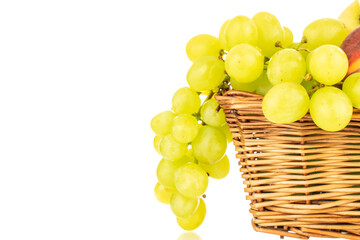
{"type": "Point", "coordinates": [296, 78]}
{"type": "Point", "coordinates": [192, 137]}
{"type": "Point", "coordinates": [256, 55]}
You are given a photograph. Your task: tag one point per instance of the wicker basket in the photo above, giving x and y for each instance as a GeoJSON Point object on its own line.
{"type": "Point", "coordinates": [302, 181]}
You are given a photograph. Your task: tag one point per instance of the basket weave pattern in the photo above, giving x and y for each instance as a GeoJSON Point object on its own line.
{"type": "Point", "coordinates": [302, 181]}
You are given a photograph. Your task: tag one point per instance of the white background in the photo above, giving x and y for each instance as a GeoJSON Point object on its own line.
{"type": "Point", "coordinates": [79, 84]}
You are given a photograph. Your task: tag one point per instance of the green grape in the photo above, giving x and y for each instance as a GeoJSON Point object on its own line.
{"type": "Point", "coordinates": [223, 43]}
{"type": "Point", "coordinates": [202, 45]}
{"type": "Point", "coordinates": [324, 31]}
{"type": "Point", "coordinates": [288, 37]}
{"type": "Point", "coordinates": [351, 87]}
{"type": "Point", "coordinates": [210, 116]}
{"type": "Point", "coordinates": [285, 103]}
{"type": "Point", "coordinates": [217, 170]}
{"type": "Point", "coordinates": [244, 63]}
{"type": "Point", "coordinates": [157, 140]}
{"type": "Point", "coordinates": [191, 180]}
{"type": "Point", "coordinates": [247, 87]}
{"type": "Point", "coordinates": [328, 64]}
{"type": "Point", "coordinates": [206, 73]}
{"type": "Point", "coordinates": [210, 144]}
{"type": "Point", "coordinates": [287, 65]}
{"type": "Point", "coordinates": [264, 84]}
{"type": "Point", "coordinates": [162, 193]}
{"type": "Point", "coordinates": [166, 171]}
{"type": "Point", "coordinates": [185, 128]}
{"type": "Point", "coordinates": [172, 150]}
{"type": "Point", "coordinates": [183, 207]}
{"type": "Point", "coordinates": [161, 123]}
{"type": "Point", "coordinates": [270, 32]}
{"type": "Point", "coordinates": [186, 100]}
{"type": "Point", "coordinates": [194, 221]}
{"type": "Point", "coordinates": [225, 129]}
{"type": "Point", "coordinates": [241, 29]}
{"type": "Point", "coordinates": [331, 109]}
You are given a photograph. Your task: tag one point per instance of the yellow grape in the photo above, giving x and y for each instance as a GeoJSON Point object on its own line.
{"type": "Point", "coordinates": [209, 114]}
{"type": "Point", "coordinates": [202, 45]}
{"type": "Point", "coordinates": [244, 63]}
{"type": "Point", "coordinates": [223, 43]}
{"type": "Point", "coordinates": [324, 31]}
{"type": "Point", "coordinates": [210, 144]}
{"type": "Point", "coordinates": [331, 109]}
{"type": "Point", "coordinates": [191, 180]}
{"type": "Point", "coordinates": [193, 222]}
{"type": "Point", "coordinates": [157, 140]}
{"type": "Point", "coordinates": [328, 64]}
{"type": "Point", "coordinates": [247, 87]}
{"type": "Point", "coordinates": [162, 193]}
{"type": "Point", "coordinates": [226, 131]}
{"type": "Point", "coordinates": [186, 100]}
{"type": "Point", "coordinates": [288, 38]}
{"type": "Point", "coordinates": [206, 73]}
{"type": "Point", "coordinates": [270, 32]}
{"type": "Point", "coordinates": [185, 128]}
{"type": "Point", "coordinates": [285, 103]}
{"type": "Point", "coordinates": [217, 170]}
{"type": "Point", "coordinates": [287, 65]}
{"type": "Point", "coordinates": [166, 171]}
{"type": "Point", "coordinates": [351, 87]}
{"type": "Point", "coordinates": [183, 207]}
{"type": "Point", "coordinates": [172, 150]}
{"type": "Point", "coordinates": [161, 123]}
{"type": "Point", "coordinates": [241, 29]}
{"type": "Point", "coordinates": [264, 85]}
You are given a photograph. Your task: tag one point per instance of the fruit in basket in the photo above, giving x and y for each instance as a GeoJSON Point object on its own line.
{"type": "Point", "coordinates": [255, 55]}
{"type": "Point", "coordinates": [210, 115]}
{"type": "Point", "coordinates": [241, 29]}
{"type": "Point", "coordinates": [351, 47]}
{"type": "Point", "coordinates": [328, 64]}
{"type": "Point", "coordinates": [324, 31]}
{"type": "Point", "coordinates": [270, 33]}
{"type": "Point", "coordinates": [244, 63]}
{"type": "Point", "coordinates": [351, 16]}
{"type": "Point", "coordinates": [285, 103]}
{"type": "Point", "coordinates": [286, 65]}
{"type": "Point", "coordinates": [351, 87]}
{"type": "Point", "coordinates": [331, 109]}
